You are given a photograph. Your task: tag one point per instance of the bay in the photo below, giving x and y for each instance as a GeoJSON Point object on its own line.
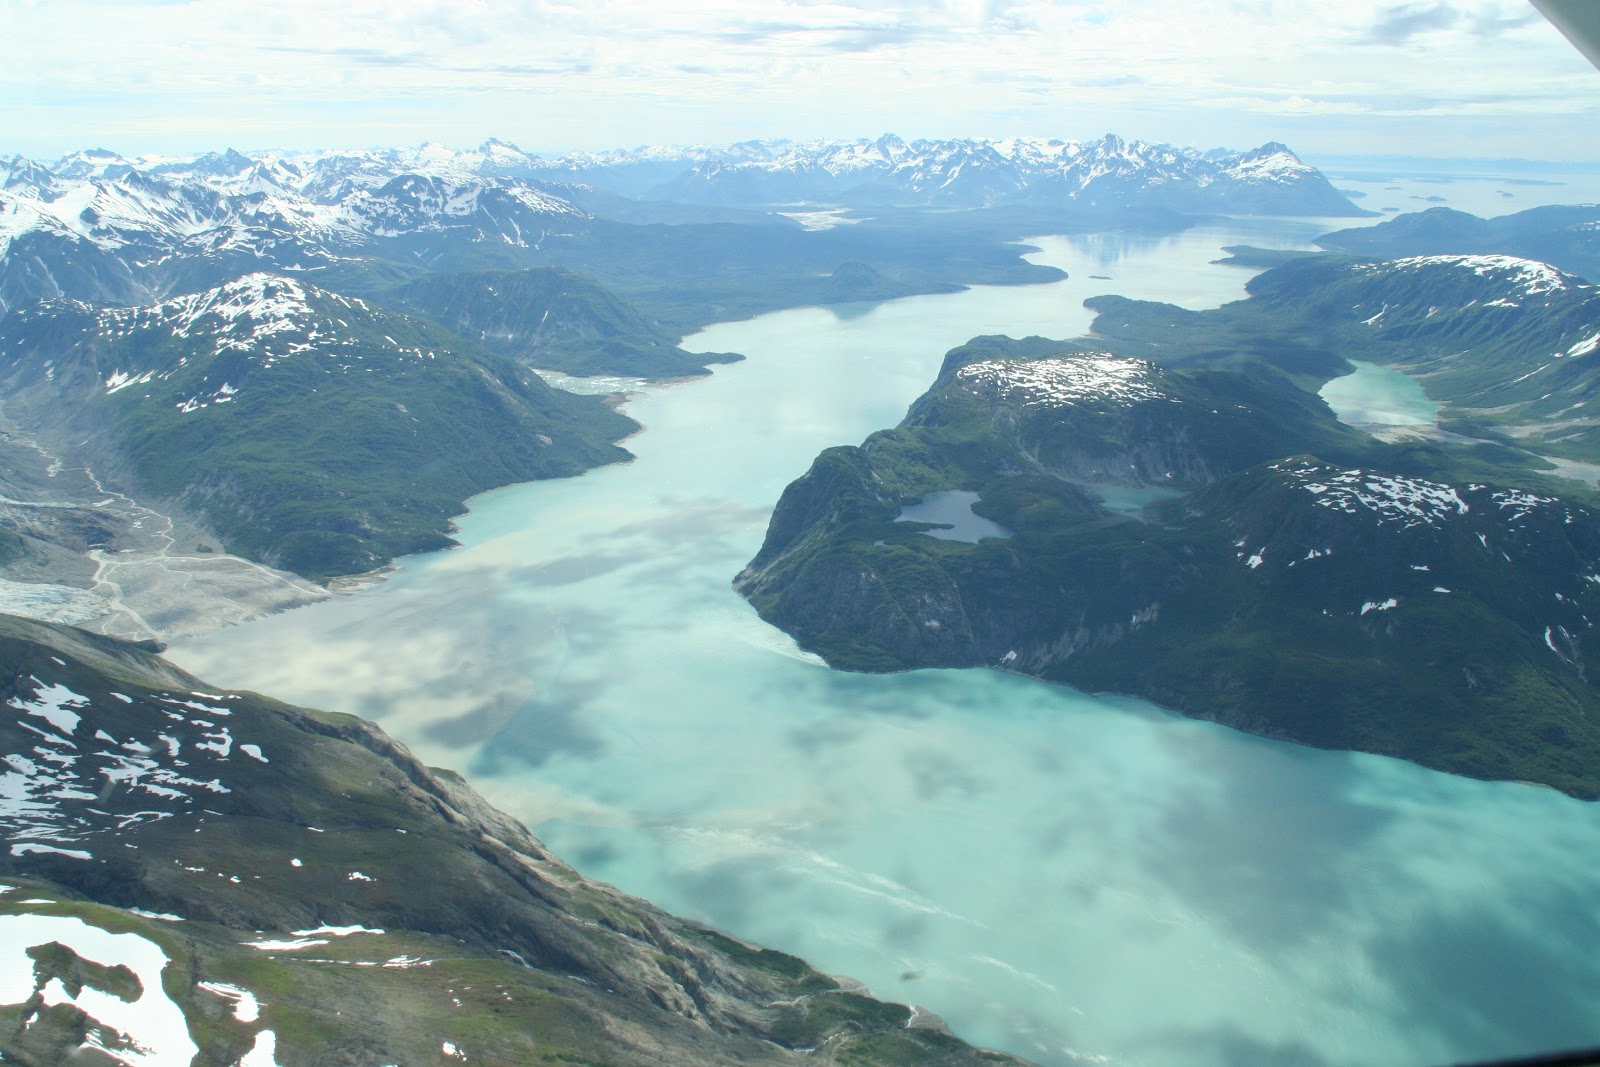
{"type": "Point", "coordinates": [1060, 875]}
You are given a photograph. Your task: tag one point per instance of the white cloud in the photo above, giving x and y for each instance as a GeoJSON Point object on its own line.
{"type": "Point", "coordinates": [555, 73]}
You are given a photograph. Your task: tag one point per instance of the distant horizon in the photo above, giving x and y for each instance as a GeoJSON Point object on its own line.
{"type": "Point", "coordinates": [1451, 78]}
{"type": "Point", "coordinates": [1322, 160]}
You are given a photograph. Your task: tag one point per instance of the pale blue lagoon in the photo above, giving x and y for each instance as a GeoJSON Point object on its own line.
{"type": "Point", "coordinates": [1377, 396]}
{"type": "Point", "coordinates": [1128, 500]}
{"type": "Point", "coordinates": [952, 511]}
{"type": "Point", "coordinates": [1065, 876]}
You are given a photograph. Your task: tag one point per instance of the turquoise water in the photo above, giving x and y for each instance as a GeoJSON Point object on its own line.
{"type": "Point", "coordinates": [1378, 396]}
{"type": "Point", "coordinates": [953, 508]}
{"type": "Point", "coordinates": [1130, 500]}
{"type": "Point", "coordinates": [1064, 876]}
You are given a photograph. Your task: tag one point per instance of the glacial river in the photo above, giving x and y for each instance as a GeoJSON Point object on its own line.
{"type": "Point", "coordinates": [1068, 877]}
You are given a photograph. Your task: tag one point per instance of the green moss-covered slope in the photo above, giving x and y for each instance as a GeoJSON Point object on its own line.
{"type": "Point", "coordinates": [309, 430]}
{"type": "Point", "coordinates": [553, 319]}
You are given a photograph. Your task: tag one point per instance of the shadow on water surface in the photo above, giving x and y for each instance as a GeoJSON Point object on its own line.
{"type": "Point", "coordinates": [1228, 1046]}
{"type": "Point", "coordinates": [855, 309]}
{"type": "Point", "coordinates": [937, 775]}
{"type": "Point", "coordinates": [1487, 980]}
{"type": "Point", "coordinates": [819, 738]}
{"type": "Point", "coordinates": [911, 696]}
{"type": "Point", "coordinates": [1272, 846]}
{"type": "Point", "coordinates": [539, 730]}
{"type": "Point", "coordinates": [683, 520]}
{"type": "Point", "coordinates": [732, 892]}
{"type": "Point", "coordinates": [570, 570]}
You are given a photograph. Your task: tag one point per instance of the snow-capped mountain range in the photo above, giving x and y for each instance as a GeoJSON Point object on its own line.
{"type": "Point", "coordinates": [980, 173]}
{"type": "Point", "coordinates": [101, 226]}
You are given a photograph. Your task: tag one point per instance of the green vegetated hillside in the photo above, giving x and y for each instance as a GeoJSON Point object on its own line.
{"type": "Point", "coordinates": [683, 276]}
{"type": "Point", "coordinates": [1207, 535]}
{"type": "Point", "coordinates": [330, 430]}
{"type": "Point", "coordinates": [372, 910]}
{"type": "Point", "coordinates": [309, 430]}
{"type": "Point", "coordinates": [1565, 236]}
{"type": "Point", "coordinates": [554, 319]}
{"type": "Point", "coordinates": [1504, 343]}
{"type": "Point", "coordinates": [691, 275]}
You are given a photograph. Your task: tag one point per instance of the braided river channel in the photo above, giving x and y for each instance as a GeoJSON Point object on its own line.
{"type": "Point", "coordinates": [1064, 876]}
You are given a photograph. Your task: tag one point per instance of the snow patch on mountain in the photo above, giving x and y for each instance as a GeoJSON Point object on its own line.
{"type": "Point", "coordinates": [1272, 163]}
{"type": "Point", "coordinates": [1392, 499]}
{"type": "Point", "coordinates": [973, 172]}
{"type": "Point", "coordinates": [167, 756]}
{"type": "Point", "coordinates": [1526, 277]}
{"type": "Point", "coordinates": [1585, 346]}
{"type": "Point", "coordinates": [1062, 381]}
{"type": "Point", "coordinates": [297, 209]}
{"type": "Point", "coordinates": [259, 304]}
{"type": "Point", "coordinates": [148, 1028]}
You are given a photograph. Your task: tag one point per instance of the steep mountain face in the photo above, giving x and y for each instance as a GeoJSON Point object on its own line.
{"type": "Point", "coordinates": [44, 260]}
{"type": "Point", "coordinates": [313, 431]}
{"type": "Point", "coordinates": [1567, 237]}
{"type": "Point", "coordinates": [554, 319]}
{"type": "Point", "coordinates": [19, 173]}
{"type": "Point", "coordinates": [1502, 340]}
{"type": "Point", "coordinates": [417, 203]}
{"type": "Point", "coordinates": [220, 876]}
{"type": "Point", "coordinates": [1110, 172]}
{"type": "Point", "coordinates": [1210, 539]}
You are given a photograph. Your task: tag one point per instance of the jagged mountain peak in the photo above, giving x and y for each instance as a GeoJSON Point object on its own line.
{"type": "Point", "coordinates": [224, 164]}
{"type": "Point", "coordinates": [1112, 172]}
{"type": "Point", "coordinates": [260, 298]}
{"type": "Point", "coordinates": [88, 163]}
{"type": "Point", "coordinates": [262, 319]}
{"type": "Point", "coordinates": [1270, 149]}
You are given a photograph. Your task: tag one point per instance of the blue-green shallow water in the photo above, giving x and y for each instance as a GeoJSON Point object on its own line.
{"type": "Point", "coordinates": [1066, 877]}
{"type": "Point", "coordinates": [1377, 396]}
{"type": "Point", "coordinates": [952, 508]}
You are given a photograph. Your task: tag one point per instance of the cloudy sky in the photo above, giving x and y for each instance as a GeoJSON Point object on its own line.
{"type": "Point", "coordinates": [1483, 78]}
